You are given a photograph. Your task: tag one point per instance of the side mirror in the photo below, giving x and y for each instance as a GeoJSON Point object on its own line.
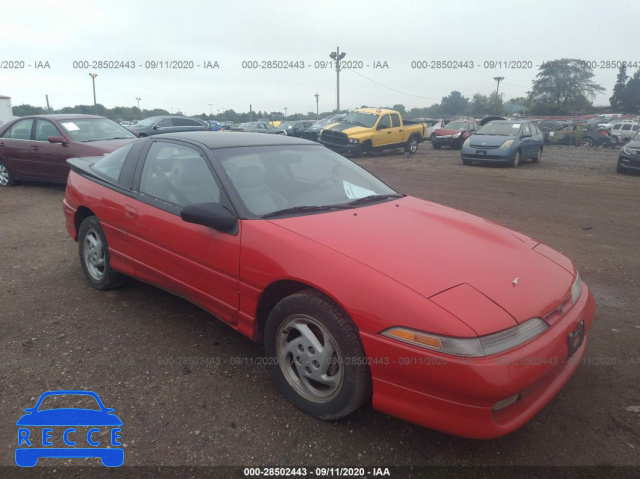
{"type": "Point", "coordinates": [57, 139]}
{"type": "Point", "coordinates": [213, 215]}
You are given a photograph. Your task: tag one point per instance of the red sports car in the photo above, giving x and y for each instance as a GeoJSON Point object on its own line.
{"type": "Point", "coordinates": [37, 147]}
{"type": "Point", "coordinates": [358, 292]}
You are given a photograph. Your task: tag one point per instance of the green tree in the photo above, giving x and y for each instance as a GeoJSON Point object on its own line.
{"type": "Point", "coordinates": [632, 94]}
{"type": "Point", "coordinates": [400, 109]}
{"type": "Point", "coordinates": [454, 104]}
{"type": "Point", "coordinates": [479, 105]}
{"type": "Point", "coordinates": [25, 110]}
{"type": "Point", "coordinates": [563, 87]}
{"type": "Point", "coordinates": [520, 105]}
{"type": "Point", "coordinates": [617, 101]}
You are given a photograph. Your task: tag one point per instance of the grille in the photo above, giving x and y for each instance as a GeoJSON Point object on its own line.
{"type": "Point", "coordinates": [336, 137]}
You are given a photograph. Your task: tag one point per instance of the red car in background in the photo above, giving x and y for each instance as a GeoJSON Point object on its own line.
{"type": "Point", "coordinates": [37, 147]}
{"type": "Point", "coordinates": [358, 292]}
{"type": "Point", "coordinates": [454, 133]}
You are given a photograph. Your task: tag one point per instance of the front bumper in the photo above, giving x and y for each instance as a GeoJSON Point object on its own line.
{"type": "Point", "coordinates": [451, 142]}
{"type": "Point", "coordinates": [456, 395]}
{"type": "Point", "coordinates": [488, 154]}
{"type": "Point", "coordinates": [348, 148]}
{"type": "Point", "coordinates": [629, 162]}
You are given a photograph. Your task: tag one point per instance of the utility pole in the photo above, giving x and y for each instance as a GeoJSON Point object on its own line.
{"type": "Point", "coordinates": [317, 100]}
{"type": "Point", "coordinates": [498, 79]}
{"type": "Point", "coordinates": [337, 56]}
{"type": "Point", "coordinates": [211, 105]}
{"type": "Point", "coordinates": [138, 102]}
{"type": "Point", "coordinates": [95, 105]}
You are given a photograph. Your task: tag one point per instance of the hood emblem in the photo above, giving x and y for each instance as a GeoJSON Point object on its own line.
{"type": "Point", "coordinates": [515, 281]}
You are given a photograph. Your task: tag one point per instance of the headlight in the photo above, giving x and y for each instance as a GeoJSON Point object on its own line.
{"type": "Point", "coordinates": [576, 289]}
{"type": "Point", "coordinates": [354, 140]}
{"type": "Point", "coordinates": [472, 347]}
{"type": "Point", "coordinates": [457, 135]}
{"type": "Point", "coordinates": [506, 144]}
{"type": "Point", "coordinates": [466, 142]}
{"type": "Point", "coordinates": [626, 150]}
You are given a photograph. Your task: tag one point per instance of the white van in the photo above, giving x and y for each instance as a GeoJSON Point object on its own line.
{"type": "Point", "coordinates": [624, 130]}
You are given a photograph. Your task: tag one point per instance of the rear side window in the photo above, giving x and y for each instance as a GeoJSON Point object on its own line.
{"type": "Point", "coordinates": [626, 127]}
{"type": "Point", "coordinates": [20, 130]}
{"type": "Point", "coordinates": [395, 120]}
{"type": "Point", "coordinates": [111, 165]}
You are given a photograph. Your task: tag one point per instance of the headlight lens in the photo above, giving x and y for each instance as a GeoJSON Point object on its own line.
{"type": "Point", "coordinates": [354, 140]}
{"type": "Point", "coordinates": [576, 289]}
{"type": "Point", "coordinates": [627, 150]}
{"type": "Point", "coordinates": [471, 347]}
{"type": "Point", "coordinates": [506, 144]}
{"type": "Point", "coordinates": [457, 135]}
{"type": "Point", "coordinates": [466, 143]}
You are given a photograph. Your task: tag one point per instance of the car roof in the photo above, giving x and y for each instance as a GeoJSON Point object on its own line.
{"type": "Point", "coordinates": [61, 116]}
{"type": "Point", "coordinates": [234, 140]}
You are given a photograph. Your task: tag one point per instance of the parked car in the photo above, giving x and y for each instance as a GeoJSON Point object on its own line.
{"type": "Point", "coordinates": [506, 141]}
{"type": "Point", "coordinates": [579, 134]}
{"type": "Point", "coordinates": [360, 294]}
{"type": "Point", "coordinates": [623, 131]}
{"type": "Point", "coordinates": [213, 125]}
{"type": "Point", "coordinates": [37, 147]}
{"type": "Point", "coordinates": [313, 131]}
{"type": "Point", "coordinates": [126, 123]}
{"type": "Point", "coordinates": [257, 127]}
{"type": "Point", "coordinates": [294, 128]}
{"type": "Point", "coordinates": [431, 128]}
{"type": "Point", "coordinates": [629, 158]}
{"type": "Point", "coordinates": [454, 133]}
{"type": "Point", "coordinates": [167, 124]}
{"type": "Point", "coordinates": [369, 130]}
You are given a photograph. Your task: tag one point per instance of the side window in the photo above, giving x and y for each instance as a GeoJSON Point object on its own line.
{"type": "Point", "coordinates": [20, 130]}
{"type": "Point", "coordinates": [635, 128]}
{"type": "Point", "coordinates": [526, 130]}
{"type": "Point", "coordinates": [384, 122]}
{"type": "Point", "coordinates": [45, 129]}
{"type": "Point", "coordinates": [616, 126]}
{"type": "Point", "coordinates": [178, 174]}
{"type": "Point", "coordinates": [111, 165]}
{"type": "Point", "coordinates": [626, 127]}
{"type": "Point", "coordinates": [166, 123]}
{"type": "Point", "coordinates": [395, 120]}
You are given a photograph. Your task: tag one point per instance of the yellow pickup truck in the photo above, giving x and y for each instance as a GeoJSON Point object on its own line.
{"type": "Point", "coordinates": [367, 130]}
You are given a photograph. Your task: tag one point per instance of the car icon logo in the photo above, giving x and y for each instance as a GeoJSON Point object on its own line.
{"type": "Point", "coordinates": [64, 432]}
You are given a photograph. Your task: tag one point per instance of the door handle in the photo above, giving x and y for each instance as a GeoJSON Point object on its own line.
{"type": "Point", "coordinates": [400, 131]}
{"type": "Point", "coordinates": [130, 212]}
{"type": "Point", "coordinates": [1, 144]}
{"type": "Point", "coordinates": [388, 133]}
{"type": "Point", "coordinates": [34, 147]}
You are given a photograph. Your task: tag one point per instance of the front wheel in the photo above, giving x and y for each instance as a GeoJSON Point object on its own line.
{"type": "Point", "coordinates": [411, 146]}
{"type": "Point", "coordinates": [516, 159]}
{"type": "Point", "coordinates": [94, 256]}
{"type": "Point", "coordinates": [435, 146]}
{"type": "Point", "coordinates": [587, 142]}
{"type": "Point", "coordinates": [316, 358]}
{"type": "Point", "coordinates": [6, 178]}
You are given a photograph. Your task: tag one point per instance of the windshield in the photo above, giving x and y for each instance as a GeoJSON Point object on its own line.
{"type": "Point", "coordinates": [149, 121]}
{"type": "Point", "coordinates": [360, 118]}
{"type": "Point", "coordinates": [269, 179]}
{"type": "Point", "coordinates": [94, 129]}
{"type": "Point", "coordinates": [457, 125]}
{"type": "Point", "coordinates": [499, 128]}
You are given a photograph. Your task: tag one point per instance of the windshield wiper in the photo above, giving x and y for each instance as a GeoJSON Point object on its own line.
{"type": "Point", "coordinates": [301, 209]}
{"type": "Point", "coordinates": [371, 198]}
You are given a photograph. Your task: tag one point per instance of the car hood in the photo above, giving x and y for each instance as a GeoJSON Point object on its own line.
{"type": "Point", "coordinates": [446, 131]}
{"type": "Point", "coordinates": [347, 128]}
{"type": "Point", "coordinates": [430, 248]}
{"type": "Point", "coordinates": [489, 140]}
{"type": "Point", "coordinates": [633, 144]}
{"type": "Point", "coordinates": [69, 417]}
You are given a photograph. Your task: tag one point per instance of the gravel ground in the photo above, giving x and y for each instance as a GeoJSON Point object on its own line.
{"type": "Point", "coordinates": [191, 391]}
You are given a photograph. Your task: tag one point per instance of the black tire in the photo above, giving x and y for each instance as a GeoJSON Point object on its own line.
{"type": "Point", "coordinates": [538, 157]}
{"type": "Point", "coordinates": [436, 147]}
{"type": "Point", "coordinates": [587, 142]}
{"type": "Point", "coordinates": [411, 146]}
{"type": "Point", "coordinates": [94, 256]}
{"type": "Point", "coordinates": [327, 384]}
{"type": "Point", "coordinates": [6, 177]}
{"type": "Point", "coordinates": [432, 136]}
{"type": "Point", "coordinates": [516, 159]}
{"type": "Point", "coordinates": [466, 162]}
{"type": "Point", "coordinates": [619, 169]}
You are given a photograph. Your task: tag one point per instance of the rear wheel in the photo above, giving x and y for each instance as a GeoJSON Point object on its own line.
{"type": "Point", "coordinates": [317, 360]}
{"type": "Point", "coordinates": [6, 178]}
{"type": "Point", "coordinates": [538, 157]}
{"type": "Point", "coordinates": [587, 142]}
{"type": "Point", "coordinates": [412, 145]}
{"type": "Point", "coordinates": [466, 162]}
{"type": "Point", "coordinates": [94, 256]}
{"type": "Point", "coordinates": [436, 146]}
